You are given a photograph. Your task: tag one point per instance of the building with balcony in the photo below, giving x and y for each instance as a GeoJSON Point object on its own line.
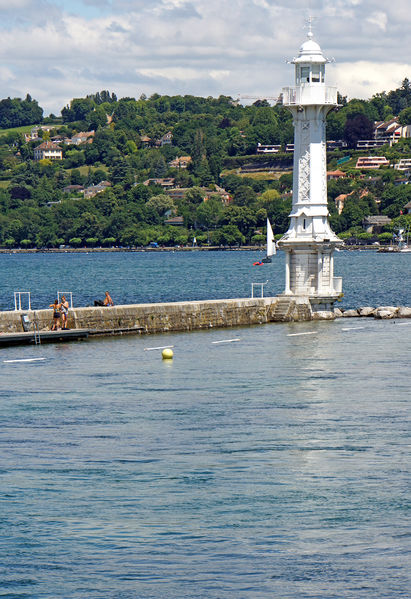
{"type": "Point", "coordinates": [48, 150]}
{"type": "Point", "coordinates": [372, 162]}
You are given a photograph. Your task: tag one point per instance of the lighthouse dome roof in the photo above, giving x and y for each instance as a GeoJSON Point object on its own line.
{"type": "Point", "coordinates": [310, 51]}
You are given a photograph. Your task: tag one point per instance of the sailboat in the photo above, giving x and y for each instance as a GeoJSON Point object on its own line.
{"type": "Point", "coordinates": [271, 248]}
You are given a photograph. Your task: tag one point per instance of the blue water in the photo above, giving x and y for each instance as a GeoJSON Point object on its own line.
{"type": "Point", "coordinates": [369, 278]}
{"type": "Point", "coordinates": [277, 465]}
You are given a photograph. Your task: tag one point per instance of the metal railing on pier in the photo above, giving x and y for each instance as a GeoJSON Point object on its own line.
{"type": "Point", "coordinates": [261, 285]}
{"type": "Point", "coordinates": [17, 300]}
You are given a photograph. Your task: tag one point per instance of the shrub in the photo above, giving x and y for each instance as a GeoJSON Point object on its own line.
{"type": "Point", "coordinates": [109, 241]}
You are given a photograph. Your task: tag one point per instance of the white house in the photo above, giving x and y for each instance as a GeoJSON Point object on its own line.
{"type": "Point", "coordinates": [48, 150]}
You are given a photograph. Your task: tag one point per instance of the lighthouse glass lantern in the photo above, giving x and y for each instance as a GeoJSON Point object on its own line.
{"type": "Point", "coordinates": [309, 243]}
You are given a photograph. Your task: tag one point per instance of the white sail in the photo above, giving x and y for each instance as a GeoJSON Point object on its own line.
{"type": "Point", "coordinates": [271, 249]}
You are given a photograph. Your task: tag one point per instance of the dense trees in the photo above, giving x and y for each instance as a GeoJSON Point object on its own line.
{"type": "Point", "coordinates": [17, 112]}
{"type": "Point", "coordinates": [217, 133]}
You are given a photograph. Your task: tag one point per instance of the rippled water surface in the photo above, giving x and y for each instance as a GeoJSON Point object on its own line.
{"type": "Point", "coordinates": [276, 464]}
{"type": "Point", "coordinates": [272, 466]}
{"type": "Point", "coordinates": [369, 278]}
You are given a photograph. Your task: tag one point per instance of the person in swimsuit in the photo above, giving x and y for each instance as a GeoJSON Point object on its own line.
{"type": "Point", "coordinates": [56, 315]}
{"type": "Point", "coordinates": [64, 306]}
{"type": "Point", "coordinates": [107, 300]}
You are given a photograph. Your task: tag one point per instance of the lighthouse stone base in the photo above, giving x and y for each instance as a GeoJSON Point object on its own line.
{"type": "Point", "coordinates": [300, 308]}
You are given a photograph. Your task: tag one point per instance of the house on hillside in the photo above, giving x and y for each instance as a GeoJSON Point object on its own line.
{"type": "Point", "coordinates": [334, 175]}
{"type": "Point", "coordinates": [403, 165]}
{"type": "Point", "coordinates": [166, 139]}
{"type": "Point", "coordinates": [180, 162]}
{"type": "Point", "coordinates": [368, 144]}
{"type": "Point", "coordinates": [34, 132]}
{"type": "Point", "coordinates": [268, 148]}
{"type": "Point", "coordinates": [178, 193]}
{"type": "Point", "coordinates": [407, 208]}
{"type": "Point", "coordinates": [93, 190]}
{"type": "Point", "coordinates": [340, 200]}
{"type": "Point", "coordinates": [146, 141]}
{"type": "Point", "coordinates": [391, 130]}
{"type": "Point", "coordinates": [336, 145]}
{"type": "Point", "coordinates": [48, 150]}
{"type": "Point", "coordinates": [165, 183]}
{"type": "Point", "coordinates": [372, 162]}
{"type": "Point", "coordinates": [73, 189]}
{"type": "Point", "coordinates": [226, 198]}
{"type": "Point", "coordinates": [375, 223]}
{"type": "Point", "coordinates": [385, 132]}
{"type": "Point", "coordinates": [81, 138]}
{"type": "Point", "coordinates": [175, 221]}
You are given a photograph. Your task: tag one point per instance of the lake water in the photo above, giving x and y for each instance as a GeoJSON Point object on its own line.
{"type": "Point", "coordinates": [277, 465]}
{"type": "Point", "coordinates": [369, 278]}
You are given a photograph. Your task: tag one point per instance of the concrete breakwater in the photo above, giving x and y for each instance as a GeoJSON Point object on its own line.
{"type": "Point", "coordinates": [186, 316]}
{"type": "Point", "coordinates": [163, 317]}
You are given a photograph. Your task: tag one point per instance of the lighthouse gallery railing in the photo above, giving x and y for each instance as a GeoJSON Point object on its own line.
{"type": "Point", "coordinates": [309, 95]}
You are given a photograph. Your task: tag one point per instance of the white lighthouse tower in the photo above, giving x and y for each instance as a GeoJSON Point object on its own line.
{"type": "Point", "coordinates": [309, 242]}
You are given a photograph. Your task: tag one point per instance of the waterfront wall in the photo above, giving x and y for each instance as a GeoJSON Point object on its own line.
{"type": "Point", "coordinates": [189, 316]}
{"type": "Point", "coordinates": [153, 318]}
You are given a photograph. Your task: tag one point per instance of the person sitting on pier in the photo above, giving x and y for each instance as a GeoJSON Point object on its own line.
{"type": "Point", "coordinates": [106, 302]}
{"type": "Point", "coordinates": [56, 315]}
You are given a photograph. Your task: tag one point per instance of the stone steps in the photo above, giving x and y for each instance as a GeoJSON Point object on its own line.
{"type": "Point", "coordinates": [283, 309]}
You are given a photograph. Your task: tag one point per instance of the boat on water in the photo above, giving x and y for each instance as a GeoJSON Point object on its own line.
{"type": "Point", "coordinates": [271, 247]}
{"type": "Point", "coordinates": [402, 246]}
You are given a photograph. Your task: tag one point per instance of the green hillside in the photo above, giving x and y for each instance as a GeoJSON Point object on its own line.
{"type": "Point", "coordinates": [133, 147]}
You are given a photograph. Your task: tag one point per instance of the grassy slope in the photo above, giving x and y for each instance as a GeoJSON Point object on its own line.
{"type": "Point", "coordinates": [25, 129]}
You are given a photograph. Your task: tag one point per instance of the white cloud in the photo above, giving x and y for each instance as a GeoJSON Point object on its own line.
{"type": "Point", "coordinates": [363, 79]}
{"type": "Point", "coordinates": [204, 47]}
{"type": "Point", "coordinates": [379, 19]}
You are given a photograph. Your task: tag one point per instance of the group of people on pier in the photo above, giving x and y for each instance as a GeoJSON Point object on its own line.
{"type": "Point", "coordinates": [61, 309]}
{"type": "Point", "coordinates": [60, 314]}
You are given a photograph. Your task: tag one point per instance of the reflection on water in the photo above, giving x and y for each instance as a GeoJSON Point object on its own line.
{"type": "Point", "coordinates": [275, 466]}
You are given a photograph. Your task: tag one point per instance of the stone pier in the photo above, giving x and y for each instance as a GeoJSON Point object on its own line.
{"type": "Point", "coordinates": [188, 316]}
{"type": "Point", "coordinates": [164, 317]}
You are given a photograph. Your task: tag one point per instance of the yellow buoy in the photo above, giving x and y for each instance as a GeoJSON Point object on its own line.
{"type": "Point", "coordinates": [167, 354]}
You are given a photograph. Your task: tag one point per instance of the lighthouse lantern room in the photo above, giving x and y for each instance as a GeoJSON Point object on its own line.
{"type": "Point", "coordinates": [309, 243]}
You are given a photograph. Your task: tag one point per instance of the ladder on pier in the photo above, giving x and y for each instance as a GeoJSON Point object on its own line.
{"type": "Point", "coordinates": [36, 331]}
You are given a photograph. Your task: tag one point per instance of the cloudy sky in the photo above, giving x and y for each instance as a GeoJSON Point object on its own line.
{"type": "Point", "coordinates": [60, 49]}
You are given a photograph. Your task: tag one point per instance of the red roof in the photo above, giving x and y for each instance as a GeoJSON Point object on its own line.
{"type": "Point", "coordinates": [47, 145]}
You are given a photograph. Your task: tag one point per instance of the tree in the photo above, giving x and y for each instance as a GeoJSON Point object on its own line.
{"type": "Point", "coordinates": [228, 235]}
{"type": "Point", "coordinates": [160, 204]}
{"type": "Point", "coordinates": [76, 178]}
{"type": "Point", "coordinates": [357, 127]}
{"type": "Point", "coordinates": [79, 110]}
{"type": "Point", "coordinates": [209, 213]}
{"type": "Point", "coordinates": [158, 166]}
{"type": "Point", "coordinates": [244, 196]}
{"type": "Point", "coordinates": [400, 98]}
{"type": "Point", "coordinates": [242, 217]}
{"type": "Point", "coordinates": [20, 192]}
{"type": "Point", "coordinates": [404, 117]}
{"type": "Point", "coordinates": [17, 112]}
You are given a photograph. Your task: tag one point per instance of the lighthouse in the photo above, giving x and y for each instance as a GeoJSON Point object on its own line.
{"type": "Point", "coordinates": [309, 243]}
